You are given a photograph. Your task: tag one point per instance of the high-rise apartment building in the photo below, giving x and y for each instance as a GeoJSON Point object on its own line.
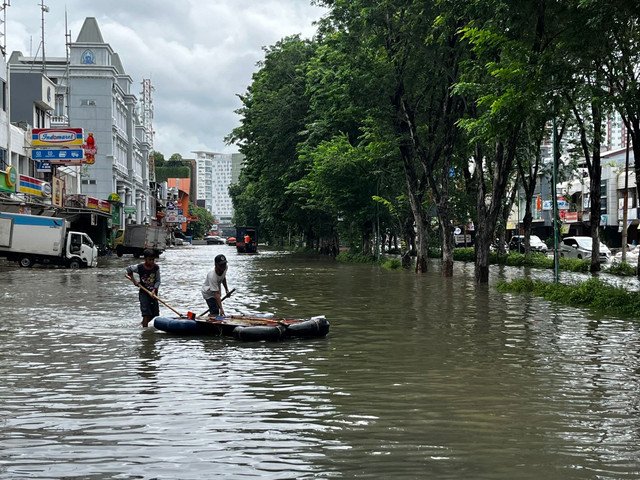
{"type": "Point", "coordinates": [215, 173]}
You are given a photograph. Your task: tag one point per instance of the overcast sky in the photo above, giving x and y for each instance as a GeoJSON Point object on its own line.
{"type": "Point", "coordinates": [199, 54]}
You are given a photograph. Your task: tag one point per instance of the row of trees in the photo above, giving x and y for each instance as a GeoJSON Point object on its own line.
{"type": "Point", "coordinates": [400, 108]}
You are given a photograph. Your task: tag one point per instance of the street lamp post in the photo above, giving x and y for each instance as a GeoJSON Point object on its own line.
{"type": "Point", "coordinates": [554, 195]}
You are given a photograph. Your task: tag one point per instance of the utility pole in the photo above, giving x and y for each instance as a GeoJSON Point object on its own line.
{"type": "Point", "coordinates": [5, 4]}
{"type": "Point", "coordinates": [625, 205]}
{"type": "Point", "coordinates": [554, 194]}
{"type": "Point", "coordinates": [44, 9]}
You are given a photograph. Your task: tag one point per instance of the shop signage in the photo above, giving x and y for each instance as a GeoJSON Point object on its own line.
{"type": "Point", "coordinates": [57, 136]}
{"type": "Point", "coordinates": [8, 180]}
{"type": "Point", "coordinates": [33, 186]}
{"type": "Point", "coordinates": [90, 150]}
{"type": "Point", "coordinates": [43, 166]}
{"type": "Point", "coordinates": [571, 217]}
{"type": "Point", "coordinates": [104, 206]}
{"type": "Point", "coordinates": [92, 202]}
{"type": "Point", "coordinates": [65, 156]}
{"type": "Point", "coordinates": [57, 199]}
{"type": "Point", "coordinates": [172, 218]}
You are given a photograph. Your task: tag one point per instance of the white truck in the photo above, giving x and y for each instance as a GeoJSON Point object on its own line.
{"type": "Point", "coordinates": [136, 238]}
{"type": "Point", "coordinates": [29, 239]}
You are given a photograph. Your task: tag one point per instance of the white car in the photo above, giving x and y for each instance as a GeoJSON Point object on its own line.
{"type": "Point", "coordinates": [581, 247]}
{"type": "Point", "coordinates": [631, 258]}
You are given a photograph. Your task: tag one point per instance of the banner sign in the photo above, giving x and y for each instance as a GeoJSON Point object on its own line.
{"type": "Point", "coordinates": [57, 199]}
{"type": "Point", "coordinates": [571, 217]}
{"type": "Point", "coordinates": [57, 136]}
{"type": "Point", "coordinates": [33, 186]}
{"type": "Point", "coordinates": [172, 218]}
{"type": "Point", "coordinates": [92, 202]}
{"type": "Point", "coordinates": [104, 206]}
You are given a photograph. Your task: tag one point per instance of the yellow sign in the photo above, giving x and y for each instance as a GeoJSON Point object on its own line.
{"type": "Point", "coordinates": [12, 176]}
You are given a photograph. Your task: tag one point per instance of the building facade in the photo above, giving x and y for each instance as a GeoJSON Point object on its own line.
{"type": "Point", "coordinates": [93, 92]}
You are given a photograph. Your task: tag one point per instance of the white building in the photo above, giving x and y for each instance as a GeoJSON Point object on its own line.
{"type": "Point", "coordinates": [215, 173]}
{"type": "Point", "coordinates": [93, 92]}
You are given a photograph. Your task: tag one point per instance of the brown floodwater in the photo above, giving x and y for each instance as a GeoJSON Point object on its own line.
{"type": "Point", "coordinates": [419, 377]}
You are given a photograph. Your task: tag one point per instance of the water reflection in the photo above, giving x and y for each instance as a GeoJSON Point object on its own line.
{"type": "Point", "coordinates": [420, 377]}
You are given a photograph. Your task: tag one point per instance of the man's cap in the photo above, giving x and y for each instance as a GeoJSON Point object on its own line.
{"type": "Point", "coordinates": [221, 260]}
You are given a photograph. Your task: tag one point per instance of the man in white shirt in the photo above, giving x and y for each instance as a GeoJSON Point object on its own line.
{"type": "Point", "coordinates": [211, 286]}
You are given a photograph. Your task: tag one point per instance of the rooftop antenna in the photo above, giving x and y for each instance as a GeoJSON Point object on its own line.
{"type": "Point", "coordinates": [67, 43]}
{"type": "Point", "coordinates": [3, 48]}
{"type": "Point", "coordinates": [44, 9]}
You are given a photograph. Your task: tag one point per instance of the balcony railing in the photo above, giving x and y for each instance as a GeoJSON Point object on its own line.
{"type": "Point", "coordinates": [59, 120]}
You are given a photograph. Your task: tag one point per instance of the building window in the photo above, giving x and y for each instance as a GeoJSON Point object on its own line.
{"type": "Point", "coordinates": [3, 95]}
{"type": "Point", "coordinates": [88, 57]}
{"type": "Point", "coordinates": [59, 105]}
{"type": "Point", "coordinates": [603, 197]}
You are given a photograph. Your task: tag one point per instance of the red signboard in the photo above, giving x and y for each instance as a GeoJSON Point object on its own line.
{"type": "Point", "coordinates": [571, 217]}
{"type": "Point", "coordinates": [104, 206]}
{"type": "Point", "coordinates": [93, 202]}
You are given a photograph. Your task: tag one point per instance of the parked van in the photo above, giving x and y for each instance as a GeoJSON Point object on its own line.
{"type": "Point", "coordinates": [581, 247]}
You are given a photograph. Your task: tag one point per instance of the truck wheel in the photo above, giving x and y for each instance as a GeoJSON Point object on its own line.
{"type": "Point", "coordinates": [26, 261]}
{"type": "Point", "coordinates": [75, 264]}
{"type": "Point", "coordinates": [119, 251]}
{"type": "Point", "coordinates": [136, 254]}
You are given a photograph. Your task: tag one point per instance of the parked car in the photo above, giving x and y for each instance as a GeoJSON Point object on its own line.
{"type": "Point", "coordinates": [581, 247]}
{"type": "Point", "coordinates": [214, 240]}
{"type": "Point", "coordinates": [517, 243]}
{"type": "Point", "coordinates": [631, 257]}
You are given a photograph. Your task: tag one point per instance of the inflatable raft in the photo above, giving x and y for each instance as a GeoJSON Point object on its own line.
{"type": "Point", "coordinates": [247, 328]}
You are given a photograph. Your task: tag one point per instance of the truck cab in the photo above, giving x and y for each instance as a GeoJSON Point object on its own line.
{"type": "Point", "coordinates": [81, 251]}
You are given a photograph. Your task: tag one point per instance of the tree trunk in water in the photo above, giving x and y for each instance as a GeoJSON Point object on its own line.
{"type": "Point", "coordinates": [594, 184]}
{"type": "Point", "coordinates": [447, 251]}
{"type": "Point", "coordinates": [409, 241]}
{"type": "Point", "coordinates": [483, 241]}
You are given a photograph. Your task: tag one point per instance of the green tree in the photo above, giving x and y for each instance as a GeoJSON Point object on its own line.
{"type": "Point", "coordinates": [204, 223]}
{"type": "Point", "coordinates": [273, 118]}
{"type": "Point", "coordinates": [407, 54]}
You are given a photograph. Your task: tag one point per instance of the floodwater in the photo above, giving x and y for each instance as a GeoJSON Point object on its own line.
{"type": "Point", "coordinates": [420, 377]}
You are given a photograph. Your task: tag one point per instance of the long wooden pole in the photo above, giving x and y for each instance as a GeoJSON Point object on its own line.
{"type": "Point", "coordinates": [222, 299]}
{"type": "Point", "coordinates": [153, 295]}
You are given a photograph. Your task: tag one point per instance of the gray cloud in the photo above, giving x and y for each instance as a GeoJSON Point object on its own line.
{"type": "Point", "coordinates": [198, 54]}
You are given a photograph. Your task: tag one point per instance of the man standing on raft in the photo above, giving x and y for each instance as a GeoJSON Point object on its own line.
{"type": "Point", "coordinates": [211, 286]}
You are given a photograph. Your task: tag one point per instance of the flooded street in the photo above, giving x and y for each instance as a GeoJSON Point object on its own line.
{"type": "Point", "coordinates": [420, 377]}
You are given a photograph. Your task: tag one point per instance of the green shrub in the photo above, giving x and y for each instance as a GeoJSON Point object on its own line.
{"type": "Point", "coordinates": [465, 254]}
{"type": "Point", "coordinates": [392, 263]}
{"type": "Point", "coordinates": [355, 257]}
{"type": "Point", "coordinates": [575, 264]}
{"type": "Point", "coordinates": [593, 293]}
{"type": "Point", "coordinates": [623, 269]}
